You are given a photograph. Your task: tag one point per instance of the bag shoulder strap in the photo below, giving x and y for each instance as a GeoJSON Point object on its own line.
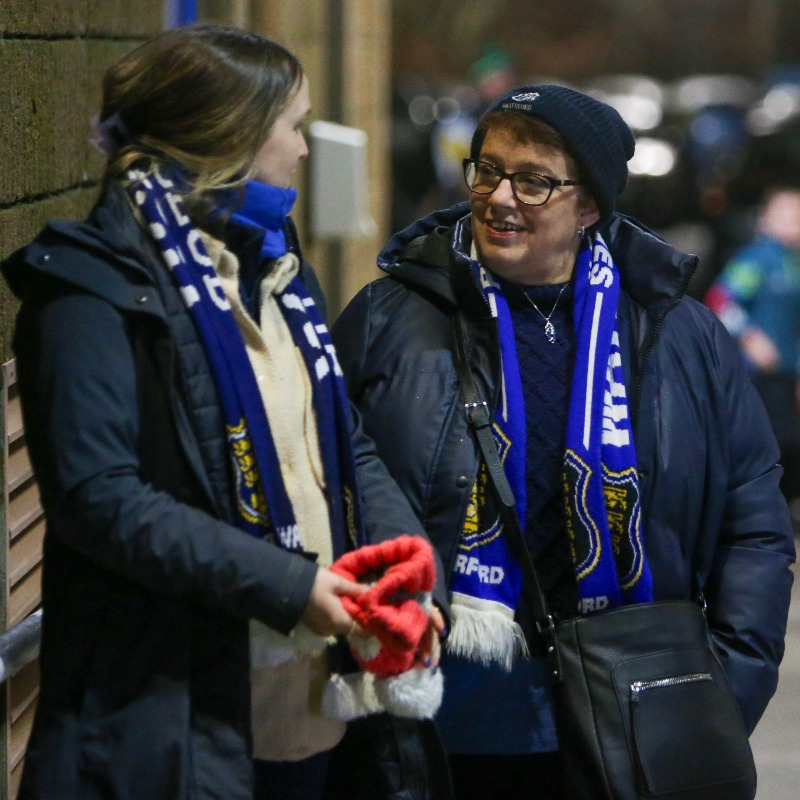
{"type": "Point", "coordinates": [477, 414]}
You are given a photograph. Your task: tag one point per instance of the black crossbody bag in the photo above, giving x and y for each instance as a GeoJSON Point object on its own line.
{"type": "Point", "coordinates": [643, 707]}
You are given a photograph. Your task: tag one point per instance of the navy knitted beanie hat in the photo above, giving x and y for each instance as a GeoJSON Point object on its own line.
{"type": "Point", "coordinates": [595, 134]}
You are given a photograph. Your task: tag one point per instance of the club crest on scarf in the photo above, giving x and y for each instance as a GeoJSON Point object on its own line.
{"type": "Point", "coordinates": [481, 558]}
{"type": "Point", "coordinates": [621, 494]}
{"type": "Point", "coordinates": [350, 518]}
{"type": "Point", "coordinates": [621, 491]}
{"type": "Point", "coordinates": [249, 494]}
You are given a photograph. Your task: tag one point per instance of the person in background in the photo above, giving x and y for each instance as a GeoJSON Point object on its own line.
{"type": "Point", "coordinates": [492, 74]}
{"type": "Point", "coordinates": [757, 297]}
{"type": "Point", "coordinates": [193, 443]}
{"type": "Point", "coordinates": [640, 456]}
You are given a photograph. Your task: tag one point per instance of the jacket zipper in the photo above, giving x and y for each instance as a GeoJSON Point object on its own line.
{"type": "Point", "coordinates": [637, 687]}
{"type": "Point", "coordinates": [651, 343]}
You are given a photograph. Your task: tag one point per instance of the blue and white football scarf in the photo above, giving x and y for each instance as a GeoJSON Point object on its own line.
{"type": "Point", "coordinates": [262, 504]}
{"type": "Point", "coordinates": [486, 582]}
{"type": "Point", "coordinates": [602, 492]}
{"type": "Point", "coordinates": [268, 206]}
{"type": "Point", "coordinates": [603, 508]}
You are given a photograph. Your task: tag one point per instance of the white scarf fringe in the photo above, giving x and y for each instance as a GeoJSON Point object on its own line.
{"type": "Point", "coordinates": [485, 631]}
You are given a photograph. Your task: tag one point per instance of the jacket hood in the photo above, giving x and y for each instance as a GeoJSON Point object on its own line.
{"type": "Point", "coordinates": [398, 248]}
{"type": "Point", "coordinates": [79, 253]}
{"type": "Point", "coordinates": [425, 252]}
{"type": "Point", "coordinates": [110, 254]}
{"type": "Point", "coordinates": [654, 273]}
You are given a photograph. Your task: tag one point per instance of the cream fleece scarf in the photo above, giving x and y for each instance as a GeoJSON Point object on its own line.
{"type": "Point", "coordinates": [287, 673]}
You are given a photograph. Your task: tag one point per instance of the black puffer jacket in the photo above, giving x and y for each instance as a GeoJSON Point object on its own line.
{"type": "Point", "coordinates": [147, 588]}
{"type": "Point", "coordinates": [713, 514]}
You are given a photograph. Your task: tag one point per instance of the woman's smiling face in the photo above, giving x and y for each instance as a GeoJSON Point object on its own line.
{"type": "Point", "coordinates": [529, 244]}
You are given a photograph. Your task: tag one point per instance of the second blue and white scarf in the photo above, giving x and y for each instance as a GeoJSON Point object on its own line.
{"type": "Point", "coordinates": [602, 493]}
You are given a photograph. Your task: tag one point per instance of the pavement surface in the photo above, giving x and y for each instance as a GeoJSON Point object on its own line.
{"type": "Point", "coordinates": [776, 740]}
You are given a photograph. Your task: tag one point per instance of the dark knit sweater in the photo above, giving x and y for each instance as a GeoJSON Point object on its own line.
{"type": "Point", "coordinates": [514, 707]}
{"type": "Point", "coordinates": [546, 372]}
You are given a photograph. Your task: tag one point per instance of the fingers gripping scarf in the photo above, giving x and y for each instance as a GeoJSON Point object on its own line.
{"type": "Point", "coordinates": [262, 503]}
{"type": "Point", "coordinates": [600, 478]}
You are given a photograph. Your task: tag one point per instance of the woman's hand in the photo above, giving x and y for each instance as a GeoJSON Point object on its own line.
{"type": "Point", "coordinates": [430, 648]}
{"type": "Point", "coordinates": [760, 350]}
{"type": "Point", "coordinates": [324, 614]}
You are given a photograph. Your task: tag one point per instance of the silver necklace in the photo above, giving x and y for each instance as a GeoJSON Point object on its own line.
{"type": "Point", "coordinates": [549, 328]}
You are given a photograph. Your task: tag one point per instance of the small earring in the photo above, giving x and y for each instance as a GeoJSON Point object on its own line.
{"type": "Point", "coordinates": [581, 231]}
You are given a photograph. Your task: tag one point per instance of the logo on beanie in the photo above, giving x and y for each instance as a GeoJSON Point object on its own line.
{"type": "Point", "coordinates": [525, 97]}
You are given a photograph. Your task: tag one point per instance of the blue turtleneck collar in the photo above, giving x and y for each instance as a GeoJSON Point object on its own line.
{"type": "Point", "coordinates": [267, 206]}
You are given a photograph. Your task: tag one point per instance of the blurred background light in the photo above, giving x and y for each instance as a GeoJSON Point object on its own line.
{"type": "Point", "coordinates": [653, 157]}
{"type": "Point", "coordinates": [691, 94]}
{"type": "Point", "coordinates": [778, 106]}
{"type": "Point", "coordinates": [638, 99]}
{"type": "Point", "coordinates": [421, 110]}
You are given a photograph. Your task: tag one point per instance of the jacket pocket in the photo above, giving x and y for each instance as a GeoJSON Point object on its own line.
{"type": "Point", "coordinates": [679, 721]}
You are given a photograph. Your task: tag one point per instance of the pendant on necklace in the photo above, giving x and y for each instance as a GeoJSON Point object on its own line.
{"type": "Point", "coordinates": [549, 328]}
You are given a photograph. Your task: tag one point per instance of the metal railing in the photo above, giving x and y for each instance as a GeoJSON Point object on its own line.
{"type": "Point", "coordinates": [19, 645]}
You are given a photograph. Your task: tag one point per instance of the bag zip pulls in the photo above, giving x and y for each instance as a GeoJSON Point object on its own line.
{"type": "Point", "coordinates": [637, 687]}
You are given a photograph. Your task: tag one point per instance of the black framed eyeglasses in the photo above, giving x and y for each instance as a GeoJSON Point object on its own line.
{"type": "Point", "coordinates": [529, 188]}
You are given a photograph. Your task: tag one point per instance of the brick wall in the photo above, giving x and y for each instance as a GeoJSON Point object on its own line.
{"type": "Point", "coordinates": [51, 58]}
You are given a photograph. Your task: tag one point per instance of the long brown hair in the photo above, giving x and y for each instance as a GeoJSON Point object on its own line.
{"type": "Point", "coordinates": [202, 95]}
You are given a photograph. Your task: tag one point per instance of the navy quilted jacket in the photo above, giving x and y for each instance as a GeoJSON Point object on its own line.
{"type": "Point", "coordinates": [713, 515]}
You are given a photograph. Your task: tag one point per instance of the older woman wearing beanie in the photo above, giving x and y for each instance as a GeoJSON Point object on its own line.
{"type": "Point", "coordinates": [679, 490]}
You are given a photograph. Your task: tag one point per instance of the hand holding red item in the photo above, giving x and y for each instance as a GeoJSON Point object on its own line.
{"type": "Point", "coordinates": [394, 616]}
{"type": "Point", "coordinates": [395, 609]}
